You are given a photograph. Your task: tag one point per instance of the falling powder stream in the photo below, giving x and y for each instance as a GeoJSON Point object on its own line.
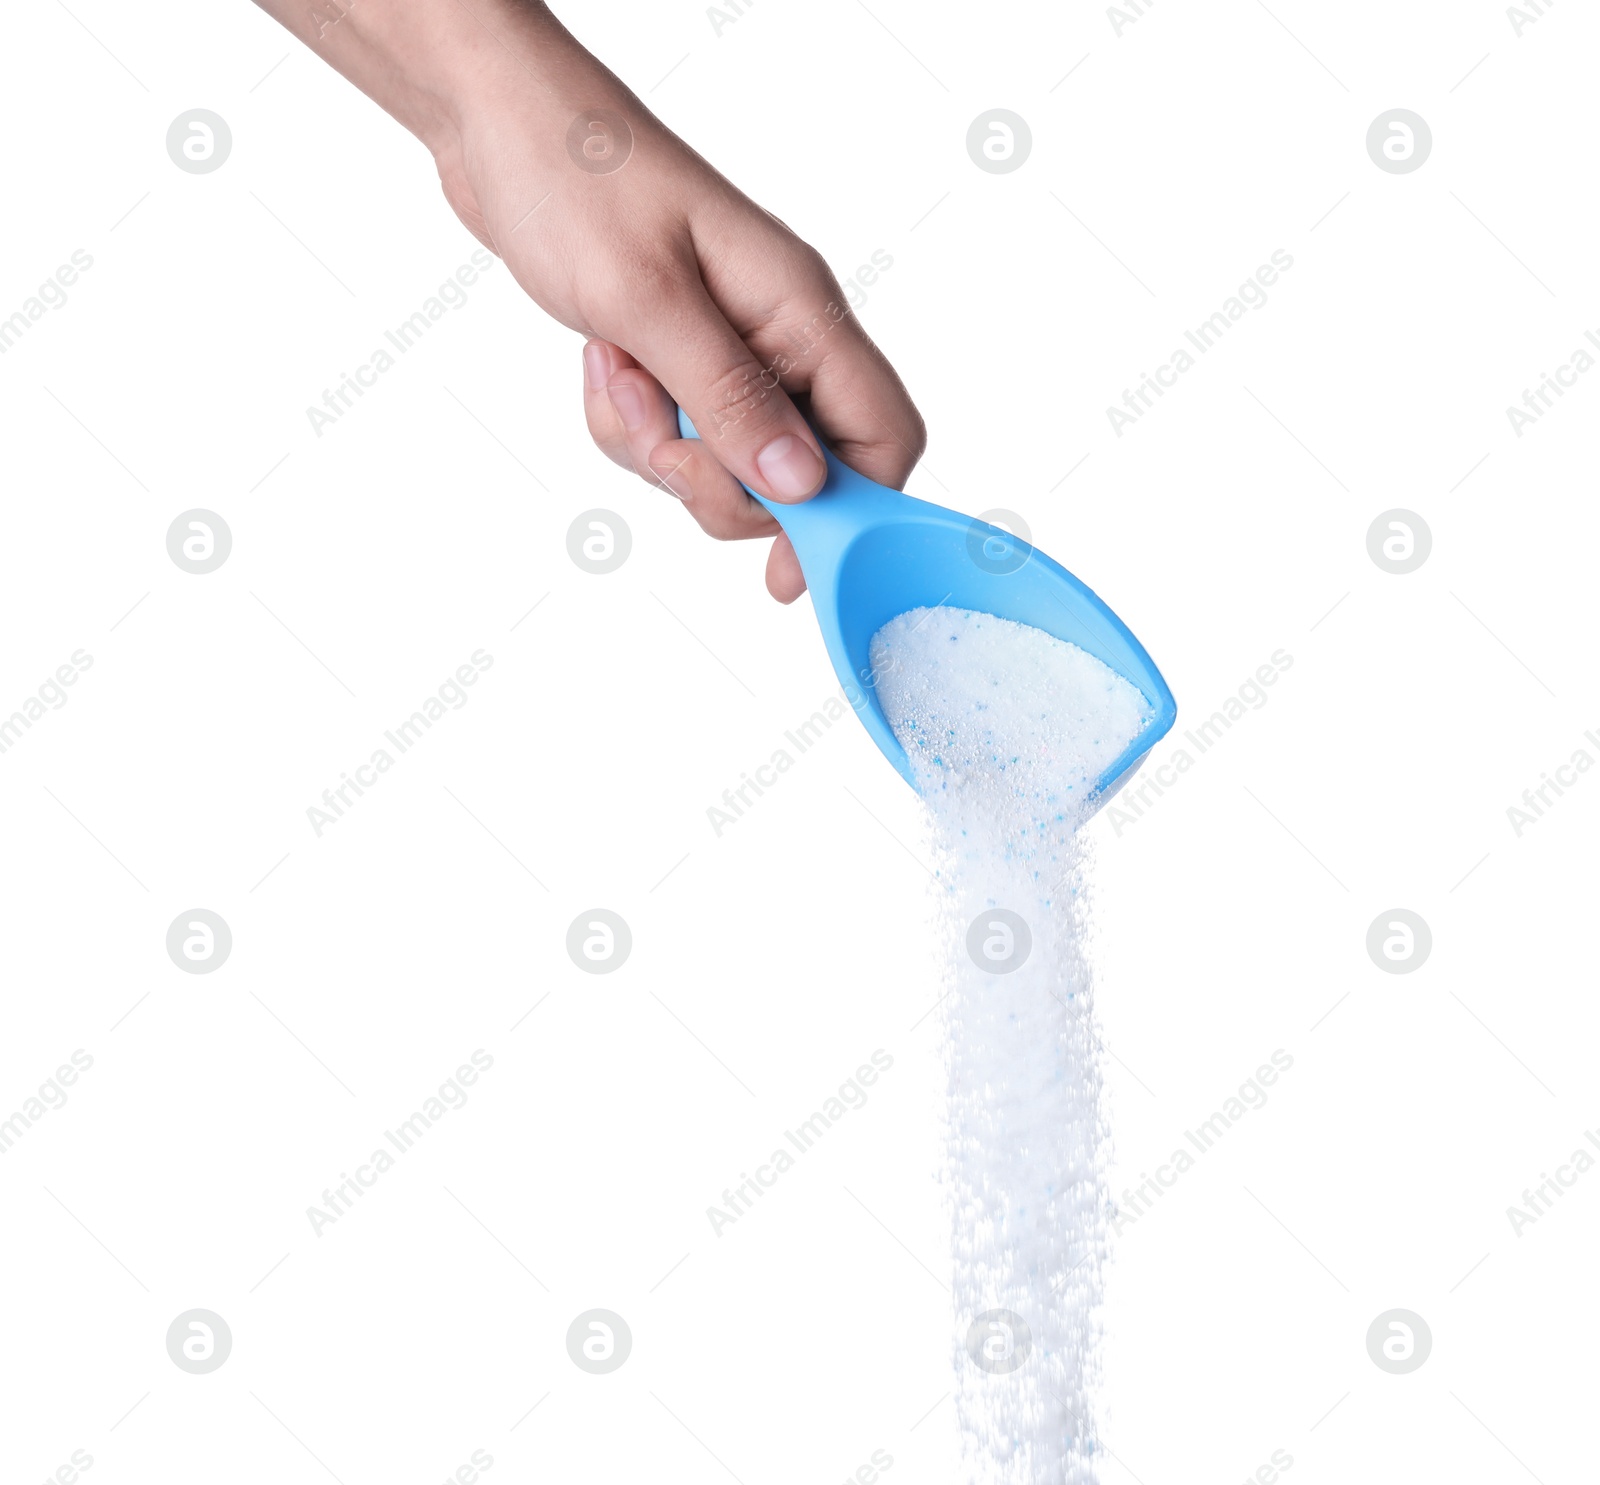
{"type": "Point", "coordinates": [1007, 729]}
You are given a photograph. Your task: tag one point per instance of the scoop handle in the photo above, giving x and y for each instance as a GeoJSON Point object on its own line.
{"type": "Point", "coordinates": [822, 526]}
{"type": "Point", "coordinates": [687, 429]}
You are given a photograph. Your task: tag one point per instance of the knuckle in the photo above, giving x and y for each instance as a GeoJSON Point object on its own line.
{"type": "Point", "coordinates": [813, 269]}
{"type": "Point", "coordinates": [720, 528]}
{"type": "Point", "coordinates": [609, 445]}
{"type": "Point", "coordinates": [612, 288]}
{"type": "Point", "coordinates": [727, 521]}
{"type": "Point", "coordinates": [917, 436]}
{"type": "Point", "coordinates": [652, 276]}
{"type": "Point", "coordinates": [819, 296]}
{"type": "Point", "coordinates": [605, 438]}
{"type": "Point", "coordinates": [816, 292]}
{"type": "Point", "coordinates": [743, 392]}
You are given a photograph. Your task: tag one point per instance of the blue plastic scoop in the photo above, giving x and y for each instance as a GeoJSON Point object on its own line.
{"type": "Point", "coordinates": [870, 553]}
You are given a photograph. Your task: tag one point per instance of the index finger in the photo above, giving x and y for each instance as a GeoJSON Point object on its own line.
{"type": "Point", "coordinates": [862, 408]}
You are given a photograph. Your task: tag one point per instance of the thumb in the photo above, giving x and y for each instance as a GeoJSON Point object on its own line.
{"type": "Point", "coordinates": [738, 407]}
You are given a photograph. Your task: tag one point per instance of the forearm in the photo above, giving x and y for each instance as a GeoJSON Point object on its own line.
{"type": "Point", "coordinates": [436, 64]}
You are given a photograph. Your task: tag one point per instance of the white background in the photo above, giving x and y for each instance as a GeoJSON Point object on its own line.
{"type": "Point", "coordinates": [368, 563]}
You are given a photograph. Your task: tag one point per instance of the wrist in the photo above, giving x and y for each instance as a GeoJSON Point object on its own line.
{"type": "Point", "coordinates": [438, 66]}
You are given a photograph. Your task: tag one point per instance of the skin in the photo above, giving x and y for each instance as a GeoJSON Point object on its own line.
{"type": "Point", "coordinates": [684, 289]}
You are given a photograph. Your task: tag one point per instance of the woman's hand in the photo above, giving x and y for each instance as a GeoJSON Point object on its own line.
{"type": "Point", "coordinates": [686, 291]}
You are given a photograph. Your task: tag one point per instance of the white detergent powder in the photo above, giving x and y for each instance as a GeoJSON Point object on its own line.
{"type": "Point", "coordinates": [1007, 730]}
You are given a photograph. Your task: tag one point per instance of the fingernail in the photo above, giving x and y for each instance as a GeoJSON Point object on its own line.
{"type": "Point", "coordinates": [596, 365]}
{"type": "Point", "coordinates": [671, 475]}
{"type": "Point", "coordinates": [790, 468]}
{"type": "Point", "coordinates": [629, 405]}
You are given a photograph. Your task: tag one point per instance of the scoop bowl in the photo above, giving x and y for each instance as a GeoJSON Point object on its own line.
{"type": "Point", "coordinates": [870, 553]}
